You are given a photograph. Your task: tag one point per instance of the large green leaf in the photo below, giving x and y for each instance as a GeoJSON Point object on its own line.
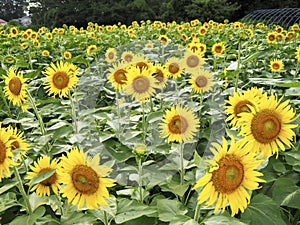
{"type": "Point", "coordinates": [263, 210]}
{"type": "Point", "coordinates": [167, 209]}
{"type": "Point", "coordinates": [222, 220]}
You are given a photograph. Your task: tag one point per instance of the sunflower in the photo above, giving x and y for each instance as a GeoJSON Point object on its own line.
{"type": "Point", "coordinates": [45, 53]}
{"type": "Point", "coordinates": [298, 54]}
{"type": "Point", "coordinates": [231, 175]}
{"type": "Point", "coordinates": [18, 141]}
{"type": "Point", "coordinates": [241, 102]}
{"type": "Point", "coordinates": [269, 127]}
{"type": "Point", "coordinates": [9, 59]}
{"type": "Point", "coordinates": [14, 31]}
{"type": "Point", "coordinates": [179, 124]}
{"type": "Point", "coordinates": [84, 179]}
{"type": "Point", "coordinates": [218, 49]}
{"type": "Point", "coordinates": [271, 37]}
{"type": "Point", "coordinates": [67, 55]}
{"type": "Point", "coordinates": [60, 78]}
{"type": "Point", "coordinates": [42, 165]}
{"type": "Point", "coordinates": [276, 65]}
{"type": "Point", "coordinates": [202, 30]}
{"type": "Point", "coordinates": [91, 49]}
{"type": "Point", "coordinates": [174, 67]}
{"type": "Point", "coordinates": [15, 88]}
{"type": "Point", "coordinates": [127, 56]}
{"type": "Point", "coordinates": [111, 55]}
{"type": "Point", "coordinates": [24, 45]}
{"type": "Point", "coordinates": [6, 154]}
{"type": "Point", "coordinates": [192, 62]}
{"type": "Point", "coordinates": [141, 61]}
{"type": "Point", "coordinates": [201, 81]}
{"type": "Point", "coordinates": [140, 83]}
{"type": "Point", "coordinates": [163, 39]}
{"type": "Point", "coordinates": [117, 75]}
{"type": "Point", "coordinates": [161, 75]}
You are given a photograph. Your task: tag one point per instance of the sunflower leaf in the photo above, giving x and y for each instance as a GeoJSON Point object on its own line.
{"type": "Point", "coordinates": [41, 177]}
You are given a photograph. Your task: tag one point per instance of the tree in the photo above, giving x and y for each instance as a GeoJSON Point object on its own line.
{"type": "Point", "coordinates": [12, 9]}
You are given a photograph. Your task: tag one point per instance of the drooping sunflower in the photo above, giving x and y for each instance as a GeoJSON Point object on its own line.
{"type": "Point", "coordinates": [15, 89]}
{"type": "Point", "coordinates": [241, 102]}
{"type": "Point", "coordinates": [84, 179]}
{"type": "Point", "coordinates": [276, 65]}
{"type": "Point", "coordinates": [174, 67]}
{"type": "Point", "coordinates": [218, 49]}
{"type": "Point", "coordinates": [201, 81]}
{"type": "Point", "coordinates": [6, 154]}
{"type": "Point", "coordinates": [179, 124]}
{"type": "Point", "coordinates": [192, 62]}
{"type": "Point", "coordinates": [231, 174]}
{"type": "Point", "coordinates": [140, 83]}
{"type": "Point", "coordinates": [42, 165]}
{"type": "Point", "coordinates": [269, 127]}
{"type": "Point", "coordinates": [60, 78]}
{"type": "Point", "coordinates": [111, 55]}
{"type": "Point", "coordinates": [117, 75]}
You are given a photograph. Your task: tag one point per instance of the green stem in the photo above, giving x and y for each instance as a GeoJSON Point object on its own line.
{"type": "Point", "coordinates": [297, 70]}
{"type": "Point", "coordinates": [140, 174]}
{"type": "Point", "coordinates": [197, 213]}
{"type": "Point", "coordinates": [105, 218]}
{"type": "Point", "coordinates": [238, 67]}
{"type": "Point", "coordinates": [39, 118]}
{"type": "Point", "coordinates": [74, 116]}
{"type": "Point", "coordinates": [182, 170]}
{"type": "Point", "coordinates": [6, 104]}
{"type": "Point", "coordinates": [22, 190]}
{"type": "Point", "coordinates": [144, 122]}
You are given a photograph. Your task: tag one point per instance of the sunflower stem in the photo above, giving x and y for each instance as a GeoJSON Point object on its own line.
{"type": "Point", "coordinates": [297, 70]}
{"type": "Point", "coordinates": [144, 122]}
{"type": "Point", "coordinates": [22, 190]}
{"type": "Point", "coordinates": [182, 170]}
{"type": "Point", "coordinates": [238, 67]}
{"type": "Point", "coordinates": [140, 174]}
{"type": "Point", "coordinates": [105, 218]}
{"type": "Point", "coordinates": [39, 118]}
{"type": "Point", "coordinates": [6, 104]}
{"type": "Point", "coordinates": [73, 111]}
{"type": "Point", "coordinates": [197, 213]}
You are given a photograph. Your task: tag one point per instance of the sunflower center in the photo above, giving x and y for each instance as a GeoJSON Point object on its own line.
{"type": "Point", "coordinates": [242, 106]}
{"type": "Point", "coordinates": [178, 125]}
{"type": "Point", "coordinates": [15, 145]}
{"type": "Point", "coordinates": [15, 85]}
{"type": "Point", "coordinates": [159, 75]}
{"type": "Point", "coordinates": [128, 58]}
{"type": "Point", "coordinates": [276, 66]}
{"type": "Point", "coordinates": [265, 126]}
{"type": "Point", "coordinates": [111, 55]}
{"type": "Point", "coordinates": [120, 76]}
{"type": "Point", "coordinates": [141, 84]}
{"type": "Point", "coordinates": [2, 152]}
{"type": "Point", "coordinates": [192, 61]}
{"type": "Point", "coordinates": [173, 68]}
{"type": "Point", "coordinates": [271, 37]}
{"type": "Point", "coordinates": [201, 81]}
{"type": "Point", "coordinates": [85, 179]}
{"type": "Point", "coordinates": [229, 176]}
{"type": "Point", "coordinates": [51, 180]}
{"type": "Point", "coordinates": [60, 80]}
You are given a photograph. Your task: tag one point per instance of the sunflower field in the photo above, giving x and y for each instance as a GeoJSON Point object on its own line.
{"type": "Point", "coordinates": [154, 123]}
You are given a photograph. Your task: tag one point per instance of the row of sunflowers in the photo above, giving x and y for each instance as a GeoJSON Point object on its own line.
{"type": "Point", "coordinates": [159, 123]}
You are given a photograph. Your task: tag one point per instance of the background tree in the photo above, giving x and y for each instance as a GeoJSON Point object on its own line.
{"type": "Point", "coordinates": [12, 9]}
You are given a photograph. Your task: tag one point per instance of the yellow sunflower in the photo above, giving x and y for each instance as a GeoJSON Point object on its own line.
{"type": "Point", "coordinates": [60, 78]}
{"type": "Point", "coordinates": [111, 55]}
{"type": "Point", "coordinates": [218, 49]}
{"type": "Point", "coordinates": [140, 83]}
{"type": "Point", "coordinates": [84, 179]}
{"type": "Point", "coordinates": [201, 81]}
{"type": "Point", "coordinates": [91, 49]}
{"type": "Point", "coordinates": [6, 154]}
{"type": "Point", "coordinates": [298, 54]}
{"type": "Point", "coordinates": [241, 102]}
{"type": "Point", "coordinates": [142, 62]}
{"type": "Point", "coordinates": [15, 89]}
{"type": "Point", "coordinates": [42, 165]}
{"type": "Point", "coordinates": [268, 127]}
{"type": "Point", "coordinates": [127, 56]}
{"type": "Point", "coordinates": [179, 124]}
{"type": "Point", "coordinates": [202, 30]}
{"type": "Point", "coordinates": [276, 65]}
{"type": "Point", "coordinates": [271, 37]}
{"type": "Point", "coordinates": [14, 31]}
{"type": "Point", "coordinates": [117, 76]}
{"type": "Point", "coordinates": [163, 39]}
{"type": "Point", "coordinates": [18, 141]}
{"type": "Point", "coordinates": [192, 62]}
{"type": "Point", "coordinates": [161, 75]}
{"type": "Point", "coordinates": [67, 55]}
{"type": "Point", "coordinates": [231, 175]}
{"type": "Point", "coordinates": [45, 53]}
{"type": "Point", "coordinates": [174, 67]}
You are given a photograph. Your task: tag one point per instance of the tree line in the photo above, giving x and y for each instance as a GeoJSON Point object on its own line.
{"type": "Point", "coordinates": [55, 13]}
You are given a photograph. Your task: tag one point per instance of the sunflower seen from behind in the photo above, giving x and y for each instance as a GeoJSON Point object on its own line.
{"type": "Point", "coordinates": [16, 87]}
{"type": "Point", "coordinates": [42, 165]}
{"type": "Point", "coordinates": [179, 124]}
{"type": "Point", "coordinates": [84, 181]}
{"type": "Point", "coordinates": [60, 78]}
{"type": "Point", "coordinates": [268, 128]}
{"type": "Point", "coordinates": [230, 177]}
